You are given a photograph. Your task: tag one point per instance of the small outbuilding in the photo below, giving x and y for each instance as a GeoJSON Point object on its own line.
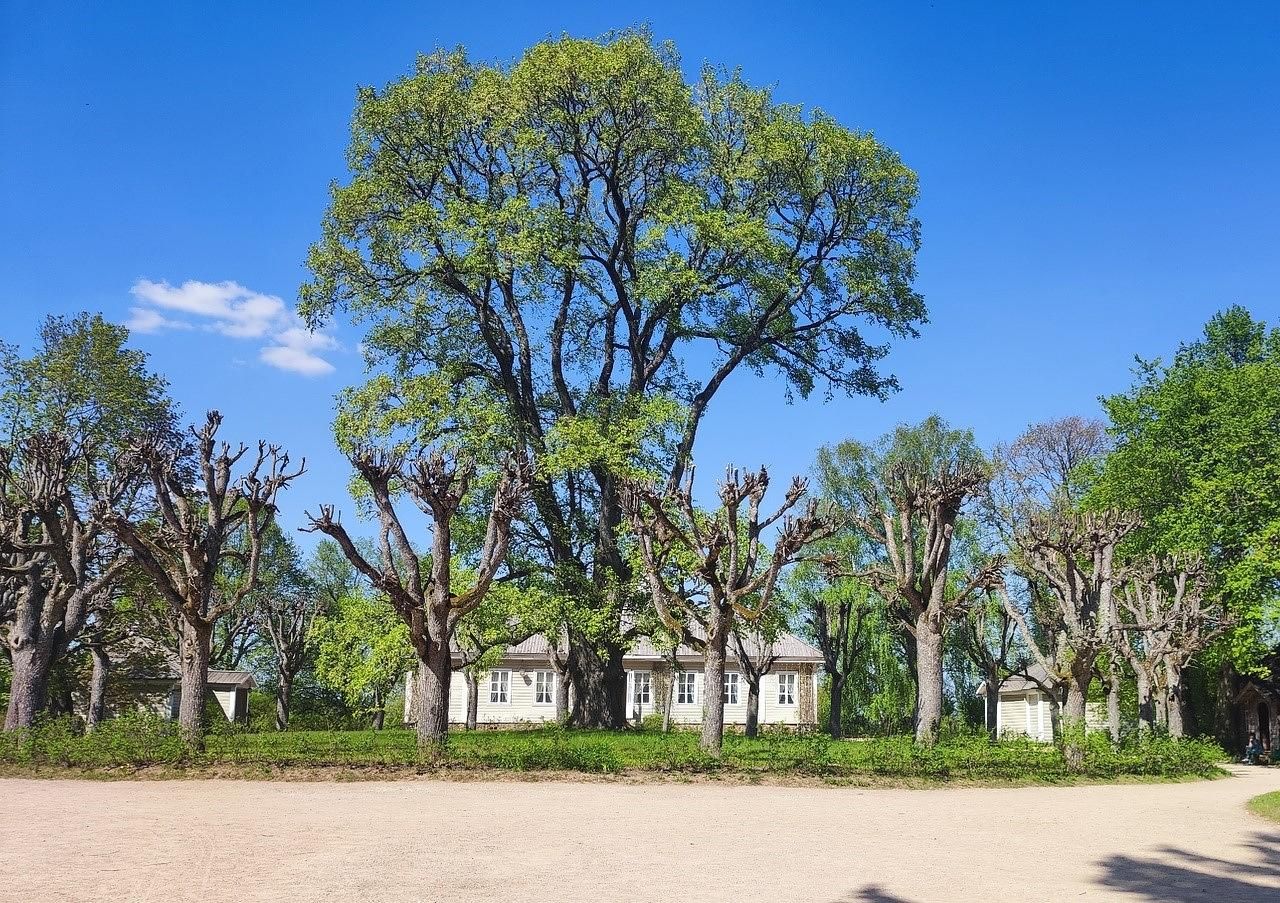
{"type": "Point", "coordinates": [1026, 710]}
{"type": "Point", "coordinates": [161, 693]}
{"type": "Point", "coordinates": [1258, 702]}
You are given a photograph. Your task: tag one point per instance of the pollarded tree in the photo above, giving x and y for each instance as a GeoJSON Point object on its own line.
{"type": "Point", "coordinates": [1043, 476]}
{"type": "Point", "coordinates": [1166, 620]}
{"type": "Point", "coordinates": [68, 412]}
{"type": "Point", "coordinates": [1074, 557]}
{"type": "Point", "coordinates": [910, 490]}
{"type": "Point", "coordinates": [755, 645]}
{"type": "Point", "coordinates": [206, 518]}
{"type": "Point", "coordinates": [284, 605]}
{"type": "Point", "coordinates": [707, 571]}
{"type": "Point", "coordinates": [427, 599]}
{"type": "Point", "coordinates": [57, 559]}
{"type": "Point", "coordinates": [588, 240]}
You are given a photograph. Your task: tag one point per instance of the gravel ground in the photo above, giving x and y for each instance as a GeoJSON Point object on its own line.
{"type": "Point", "coordinates": [427, 840]}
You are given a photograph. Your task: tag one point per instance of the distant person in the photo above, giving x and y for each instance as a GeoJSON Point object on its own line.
{"type": "Point", "coordinates": [1252, 750]}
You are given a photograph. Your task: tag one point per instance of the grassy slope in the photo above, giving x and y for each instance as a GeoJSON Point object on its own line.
{"type": "Point", "coordinates": [1267, 805]}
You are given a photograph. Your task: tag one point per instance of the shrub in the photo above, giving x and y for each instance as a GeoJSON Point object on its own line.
{"type": "Point", "coordinates": [145, 739]}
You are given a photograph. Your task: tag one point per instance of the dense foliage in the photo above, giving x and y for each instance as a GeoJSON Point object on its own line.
{"type": "Point", "coordinates": [139, 741]}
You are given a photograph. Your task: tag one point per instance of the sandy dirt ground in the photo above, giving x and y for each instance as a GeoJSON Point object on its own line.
{"type": "Point", "coordinates": [458, 841]}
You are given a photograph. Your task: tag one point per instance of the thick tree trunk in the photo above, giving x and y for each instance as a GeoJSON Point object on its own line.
{"type": "Point", "coordinates": [379, 710]}
{"type": "Point", "coordinates": [98, 688]}
{"type": "Point", "coordinates": [562, 698]}
{"type": "Point", "coordinates": [753, 707]}
{"type": "Point", "coordinates": [1226, 714]}
{"type": "Point", "coordinates": [434, 674]}
{"type": "Point", "coordinates": [284, 687]}
{"type": "Point", "coordinates": [599, 684]}
{"type": "Point", "coordinates": [928, 679]}
{"type": "Point", "coordinates": [1146, 705]}
{"type": "Point", "coordinates": [194, 665]}
{"type": "Point", "coordinates": [835, 713]}
{"type": "Point", "coordinates": [1076, 709]}
{"type": "Point", "coordinates": [1113, 702]}
{"type": "Point", "coordinates": [29, 687]}
{"type": "Point", "coordinates": [473, 699]}
{"type": "Point", "coordinates": [713, 684]}
{"type": "Point", "coordinates": [1175, 704]}
{"type": "Point", "coordinates": [991, 707]}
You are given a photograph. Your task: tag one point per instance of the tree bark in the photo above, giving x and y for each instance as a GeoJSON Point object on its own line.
{"type": "Point", "coordinates": [599, 684]}
{"type": "Point", "coordinates": [928, 638]}
{"type": "Point", "coordinates": [194, 665]}
{"type": "Point", "coordinates": [1113, 702]}
{"type": "Point", "coordinates": [98, 688]}
{"type": "Point", "coordinates": [1175, 704]}
{"type": "Point", "coordinates": [1146, 705]}
{"type": "Point", "coordinates": [28, 690]}
{"type": "Point", "coordinates": [284, 687]}
{"type": "Point", "coordinates": [835, 713]}
{"type": "Point", "coordinates": [991, 708]}
{"type": "Point", "coordinates": [379, 710]}
{"type": "Point", "coordinates": [434, 673]}
{"type": "Point", "coordinates": [473, 699]}
{"type": "Point", "coordinates": [562, 698]}
{"type": "Point", "coordinates": [713, 684]}
{"type": "Point", "coordinates": [753, 707]}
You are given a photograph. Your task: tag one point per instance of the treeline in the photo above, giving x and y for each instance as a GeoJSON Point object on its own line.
{"type": "Point", "coordinates": [558, 264]}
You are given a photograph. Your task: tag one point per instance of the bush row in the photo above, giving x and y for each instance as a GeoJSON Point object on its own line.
{"type": "Point", "coordinates": [141, 740]}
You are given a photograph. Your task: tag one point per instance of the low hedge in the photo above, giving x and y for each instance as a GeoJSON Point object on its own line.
{"type": "Point", "coordinates": [141, 740]}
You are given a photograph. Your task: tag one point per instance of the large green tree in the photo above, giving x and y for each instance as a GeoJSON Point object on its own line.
{"type": "Point", "coordinates": [579, 249]}
{"type": "Point", "coordinates": [1197, 455]}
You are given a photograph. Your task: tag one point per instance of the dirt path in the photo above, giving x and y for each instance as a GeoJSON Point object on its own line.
{"type": "Point", "coordinates": [370, 842]}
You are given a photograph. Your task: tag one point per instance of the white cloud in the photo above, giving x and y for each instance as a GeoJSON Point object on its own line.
{"type": "Point", "coordinates": [144, 319]}
{"type": "Point", "coordinates": [232, 310]}
{"type": "Point", "coordinates": [295, 348]}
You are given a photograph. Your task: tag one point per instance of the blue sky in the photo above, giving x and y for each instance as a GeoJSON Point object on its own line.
{"type": "Point", "coordinates": [1096, 180]}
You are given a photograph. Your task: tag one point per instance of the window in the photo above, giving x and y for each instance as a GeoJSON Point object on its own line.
{"type": "Point", "coordinates": [499, 686]}
{"type": "Point", "coordinates": [544, 684]}
{"type": "Point", "coordinates": [686, 688]}
{"type": "Point", "coordinates": [730, 694]}
{"type": "Point", "coordinates": [787, 688]}
{"type": "Point", "coordinates": [640, 687]}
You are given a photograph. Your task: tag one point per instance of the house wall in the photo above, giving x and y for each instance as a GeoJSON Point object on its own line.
{"type": "Point", "coordinates": [1029, 713]}
{"type": "Point", "coordinates": [521, 706]}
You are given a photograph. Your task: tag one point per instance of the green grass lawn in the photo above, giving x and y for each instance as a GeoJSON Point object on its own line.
{"type": "Point", "coordinates": [1267, 805]}
{"type": "Point", "coordinates": [138, 742]}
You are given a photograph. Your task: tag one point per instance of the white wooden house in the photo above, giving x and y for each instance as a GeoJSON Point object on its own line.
{"type": "Point", "coordinates": [521, 688]}
{"type": "Point", "coordinates": [1025, 710]}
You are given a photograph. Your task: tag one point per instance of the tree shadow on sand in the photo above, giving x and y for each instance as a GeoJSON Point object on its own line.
{"type": "Point", "coordinates": [871, 893]}
{"type": "Point", "coordinates": [1174, 875]}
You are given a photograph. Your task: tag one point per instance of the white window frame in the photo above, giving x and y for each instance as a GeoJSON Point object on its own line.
{"type": "Point", "coordinates": [641, 688]}
{"type": "Point", "coordinates": [500, 686]}
{"type": "Point", "coordinates": [544, 684]}
{"type": "Point", "coordinates": [730, 695]}
{"type": "Point", "coordinates": [686, 688]}
{"type": "Point", "coordinates": [788, 684]}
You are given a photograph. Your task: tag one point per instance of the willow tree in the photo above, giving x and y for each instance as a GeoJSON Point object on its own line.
{"type": "Point", "coordinates": [910, 489]}
{"type": "Point", "coordinates": [593, 245]}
